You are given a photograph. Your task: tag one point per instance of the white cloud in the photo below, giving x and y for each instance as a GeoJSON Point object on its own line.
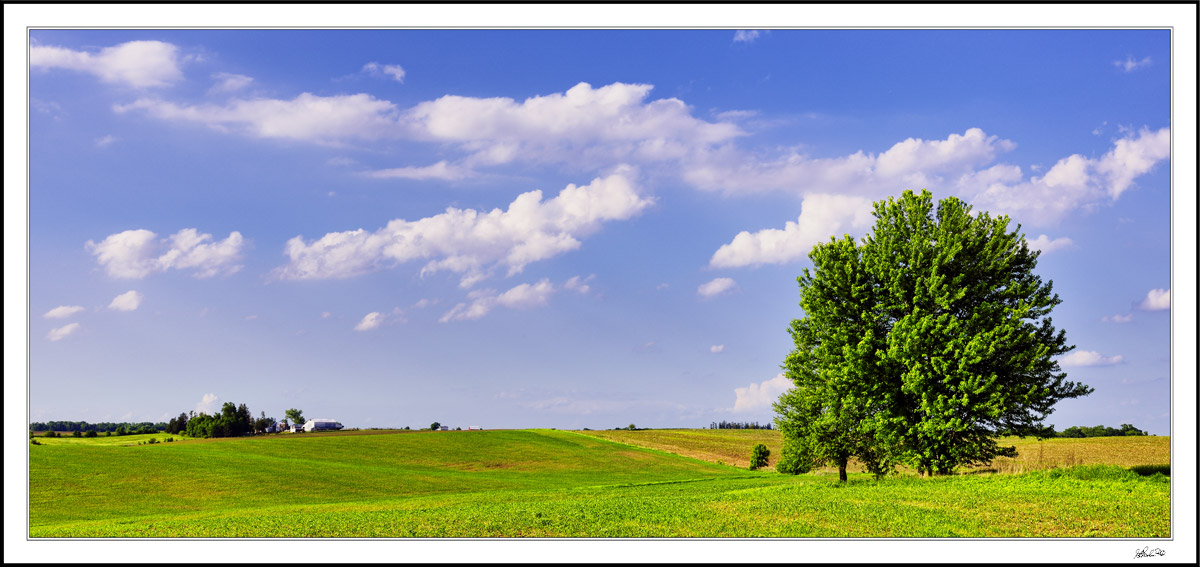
{"type": "Point", "coordinates": [440, 170]}
{"type": "Point", "coordinates": [716, 348]}
{"type": "Point", "coordinates": [370, 321]}
{"type": "Point", "coordinates": [229, 82]}
{"type": "Point", "coordinates": [1074, 182]}
{"type": "Point", "coordinates": [127, 301]}
{"type": "Point", "coordinates": [1130, 64]}
{"type": "Point", "coordinates": [470, 242]}
{"type": "Point", "coordinates": [62, 332]}
{"type": "Point", "coordinates": [913, 163]}
{"type": "Point", "coordinates": [319, 119]}
{"type": "Point", "coordinates": [208, 404]}
{"type": "Point", "coordinates": [523, 296]}
{"type": "Point", "coordinates": [1117, 318]}
{"type": "Point", "coordinates": [395, 72]}
{"type": "Point", "coordinates": [139, 64]}
{"type": "Point", "coordinates": [135, 254]}
{"type": "Point", "coordinates": [105, 141]}
{"type": "Point", "coordinates": [821, 216]}
{"type": "Point", "coordinates": [1045, 245]}
{"type": "Point", "coordinates": [1157, 300]}
{"type": "Point", "coordinates": [745, 36]}
{"type": "Point", "coordinates": [579, 284]}
{"type": "Point", "coordinates": [584, 126]}
{"type": "Point", "coordinates": [762, 395]}
{"type": "Point", "coordinates": [63, 311]}
{"type": "Point", "coordinates": [1089, 358]}
{"type": "Point", "coordinates": [716, 287]}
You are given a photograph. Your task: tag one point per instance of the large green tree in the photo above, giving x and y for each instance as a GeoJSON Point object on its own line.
{"type": "Point", "coordinates": [923, 342]}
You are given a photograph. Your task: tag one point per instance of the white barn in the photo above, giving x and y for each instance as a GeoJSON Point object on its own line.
{"type": "Point", "coordinates": [322, 424]}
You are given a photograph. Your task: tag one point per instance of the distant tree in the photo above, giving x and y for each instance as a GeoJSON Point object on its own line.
{"type": "Point", "coordinates": [632, 427]}
{"type": "Point", "coordinates": [76, 434]}
{"type": "Point", "coordinates": [295, 415]}
{"type": "Point", "coordinates": [91, 433]}
{"type": "Point", "coordinates": [758, 456]}
{"type": "Point", "coordinates": [434, 425]}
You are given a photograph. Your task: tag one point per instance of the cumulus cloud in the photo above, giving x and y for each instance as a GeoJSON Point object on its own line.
{"type": "Point", "coordinates": [912, 163]}
{"type": "Point", "coordinates": [584, 125]}
{"type": "Point", "coordinates": [62, 332]}
{"type": "Point", "coordinates": [394, 72]}
{"type": "Point", "coordinates": [140, 64]}
{"type": "Point", "coordinates": [761, 395]}
{"type": "Point", "coordinates": [1117, 318]}
{"type": "Point", "coordinates": [370, 321]}
{"type": "Point", "coordinates": [229, 82]}
{"type": "Point", "coordinates": [471, 242]}
{"type": "Point", "coordinates": [1074, 182]}
{"type": "Point", "coordinates": [135, 254]}
{"type": "Point", "coordinates": [1130, 64]}
{"type": "Point", "coordinates": [523, 296]}
{"type": "Point", "coordinates": [1089, 358]}
{"type": "Point", "coordinates": [207, 404]}
{"type": "Point", "coordinates": [716, 287]}
{"type": "Point", "coordinates": [1044, 244]}
{"type": "Point", "coordinates": [1157, 300]}
{"type": "Point", "coordinates": [745, 36]}
{"type": "Point", "coordinates": [821, 216]}
{"type": "Point", "coordinates": [127, 301]}
{"type": "Point", "coordinates": [319, 119]}
{"type": "Point", "coordinates": [716, 348]}
{"type": "Point", "coordinates": [63, 311]}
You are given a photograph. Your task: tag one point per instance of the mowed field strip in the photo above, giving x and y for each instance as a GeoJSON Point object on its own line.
{"type": "Point", "coordinates": [547, 483]}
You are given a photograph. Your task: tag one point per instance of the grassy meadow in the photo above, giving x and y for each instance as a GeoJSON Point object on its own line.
{"type": "Point", "coordinates": [546, 483]}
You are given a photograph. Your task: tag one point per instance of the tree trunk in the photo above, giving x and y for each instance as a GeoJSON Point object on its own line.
{"type": "Point", "coordinates": [842, 471]}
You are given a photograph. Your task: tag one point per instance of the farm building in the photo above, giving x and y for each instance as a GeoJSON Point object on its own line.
{"type": "Point", "coordinates": [321, 424]}
{"type": "Point", "coordinates": [297, 428]}
{"type": "Point", "coordinates": [474, 428]}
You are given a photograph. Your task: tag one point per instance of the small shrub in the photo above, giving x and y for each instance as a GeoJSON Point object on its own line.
{"type": "Point", "coordinates": [758, 456]}
{"type": "Point", "coordinates": [91, 433]}
{"type": "Point", "coordinates": [108, 434]}
{"type": "Point", "coordinates": [77, 434]}
{"type": "Point", "coordinates": [34, 442]}
{"type": "Point", "coordinates": [152, 441]}
{"type": "Point", "coordinates": [170, 439]}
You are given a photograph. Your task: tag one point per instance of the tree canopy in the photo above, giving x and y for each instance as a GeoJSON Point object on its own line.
{"type": "Point", "coordinates": [920, 343]}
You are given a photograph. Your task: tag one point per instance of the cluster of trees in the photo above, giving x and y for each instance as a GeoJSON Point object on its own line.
{"type": "Point", "coordinates": [1076, 431]}
{"type": "Point", "coordinates": [738, 425]}
{"type": "Point", "coordinates": [82, 426]}
{"type": "Point", "coordinates": [233, 421]}
{"type": "Point", "coordinates": [919, 344]}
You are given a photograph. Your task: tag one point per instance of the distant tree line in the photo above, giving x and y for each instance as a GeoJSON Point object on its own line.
{"type": "Point", "coordinates": [232, 421]}
{"type": "Point", "coordinates": [1077, 431]}
{"type": "Point", "coordinates": [738, 425]}
{"type": "Point", "coordinates": [123, 428]}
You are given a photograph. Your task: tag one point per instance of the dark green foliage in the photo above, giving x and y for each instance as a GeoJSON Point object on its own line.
{"type": "Point", "coordinates": [758, 456]}
{"type": "Point", "coordinates": [295, 416]}
{"type": "Point", "coordinates": [98, 427]}
{"type": "Point", "coordinates": [91, 433]}
{"type": "Point", "coordinates": [632, 427]}
{"type": "Point", "coordinates": [434, 425]}
{"type": "Point", "coordinates": [738, 425]}
{"type": "Point", "coordinates": [177, 425]}
{"type": "Point", "coordinates": [76, 434]}
{"type": "Point", "coordinates": [1077, 432]}
{"type": "Point", "coordinates": [922, 343]}
{"type": "Point", "coordinates": [34, 442]}
{"type": "Point", "coordinates": [233, 421]}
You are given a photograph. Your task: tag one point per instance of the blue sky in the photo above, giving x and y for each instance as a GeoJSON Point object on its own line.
{"type": "Point", "coordinates": [556, 228]}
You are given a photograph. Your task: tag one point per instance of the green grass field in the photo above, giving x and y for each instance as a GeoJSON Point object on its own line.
{"type": "Point", "coordinates": [545, 483]}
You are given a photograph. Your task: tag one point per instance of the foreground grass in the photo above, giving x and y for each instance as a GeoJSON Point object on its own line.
{"type": "Point", "coordinates": [544, 484]}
